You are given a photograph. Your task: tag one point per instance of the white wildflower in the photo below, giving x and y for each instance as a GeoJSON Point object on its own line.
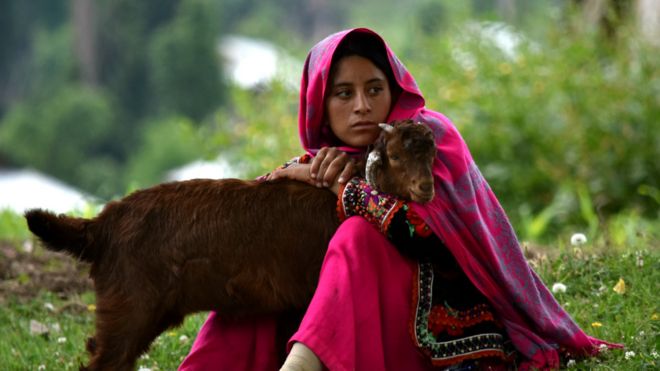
{"type": "Point", "coordinates": [558, 288]}
{"type": "Point", "coordinates": [41, 367]}
{"type": "Point", "coordinates": [55, 327]}
{"type": "Point", "coordinates": [602, 348]}
{"type": "Point", "coordinates": [28, 247]}
{"type": "Point", "coordinates": [61, 340]}
{"type": "Point", "coordinates": [570, 363]}
{"type": "Point", "coordinates": [183, 339]}
{"type": "Point", "coordinates": [654, 354]}
{"type": "Point", "coordinates": [642, 333]}
{"type": "Point", "coordinates": [142, 368]}
{"type": "Point", "coordinates": [49, 306]}
{"type": "Point", "coordinates": [144, 356]}
{"type": "Point", "coordinates": [578, 239]}
{"type": "Point", "coordinates": [630, 354]}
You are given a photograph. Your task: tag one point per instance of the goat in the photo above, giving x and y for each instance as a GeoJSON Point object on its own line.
{"type": "Point", "coordinates": [243, 248]}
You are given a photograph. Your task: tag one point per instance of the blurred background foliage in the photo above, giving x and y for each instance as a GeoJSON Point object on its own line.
{"type": "Point", "coordinates": [559, 100]}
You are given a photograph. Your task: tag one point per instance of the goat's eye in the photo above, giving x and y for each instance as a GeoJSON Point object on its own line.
{"type": "Point", "coordinates": [395, 157]}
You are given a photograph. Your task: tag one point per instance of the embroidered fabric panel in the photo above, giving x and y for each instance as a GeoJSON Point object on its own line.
{"type": "Point", "coordinates": [382, 210]}
{"type": "Point", "coordinates": [412, 237]}
{"type": "Point", "coordinates": [358, 198]}
{"type": "Point", "coordinates": [453, 333]}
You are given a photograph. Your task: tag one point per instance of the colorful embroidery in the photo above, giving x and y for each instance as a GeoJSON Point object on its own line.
{"type": "Point", "coordinates": [358, 198]}
{"type": "Point", "coordinates": [416, 223]}
{"type": "Point", "coordinates": [443, 318]}
{"type": "Point", "coordinates": [439, 330]}
{"type": "Point", "coordinates": [304, 159]}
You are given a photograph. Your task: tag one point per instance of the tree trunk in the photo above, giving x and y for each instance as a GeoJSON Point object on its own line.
{"type": "Point", "coordinates": [84, 22]}
{"type": "Point", "coordinates": [648, 20]}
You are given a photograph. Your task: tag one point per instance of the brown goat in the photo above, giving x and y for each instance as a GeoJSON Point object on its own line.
{"type": "Point", "coordinates": [242, 248]}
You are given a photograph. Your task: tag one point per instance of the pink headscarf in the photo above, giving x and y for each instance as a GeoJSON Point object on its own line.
{"type": "Point", "coordinates": [465, 215]}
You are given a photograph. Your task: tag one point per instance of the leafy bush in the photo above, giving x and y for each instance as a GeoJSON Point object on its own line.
{"type": "Point", "coordinates": [62, 135]}
{"type": "Point", "coordinates": [166, 144]}
{"type": "Point", "coordinates": [260, 130]}
{"type": "Point", "coordinates": [564, 129]}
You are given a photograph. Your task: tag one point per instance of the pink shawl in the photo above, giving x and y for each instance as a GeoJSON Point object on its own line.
{"type": "Point", "coordinates": [467, 217]}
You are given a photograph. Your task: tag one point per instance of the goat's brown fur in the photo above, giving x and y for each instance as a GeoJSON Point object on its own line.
{"type": "Point", "coordinates": [242, 248]}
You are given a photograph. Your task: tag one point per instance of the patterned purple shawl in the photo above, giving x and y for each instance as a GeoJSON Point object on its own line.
{"type": "Point", "coordinates": [466, 215]}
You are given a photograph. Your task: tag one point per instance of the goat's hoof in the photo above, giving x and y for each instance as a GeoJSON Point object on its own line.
{"type": "Point", "coordinates": [91, 345]}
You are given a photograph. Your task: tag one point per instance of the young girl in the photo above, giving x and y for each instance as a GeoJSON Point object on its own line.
{"type": "Point", "coordinates": [403, 286]}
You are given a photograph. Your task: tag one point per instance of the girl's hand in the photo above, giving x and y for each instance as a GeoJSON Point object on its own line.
{"type": "Point", "coordinates": [331, 166]}
{"type": "Point", "coordinates": [300, 172]}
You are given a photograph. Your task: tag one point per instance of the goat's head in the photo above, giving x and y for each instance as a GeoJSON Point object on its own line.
{"type": "Point", "coordinates": [401, 161]}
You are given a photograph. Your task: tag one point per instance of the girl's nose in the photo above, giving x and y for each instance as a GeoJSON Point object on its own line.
{"type": "Point", "coordinates": [362, 104]}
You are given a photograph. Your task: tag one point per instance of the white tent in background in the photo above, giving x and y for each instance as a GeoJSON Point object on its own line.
{"type": "Point", "coordinates": [26, 189]}
{"type": "Point", "coordinates": [500, 35]}
{"type": "Point", "coordinates": [252, 62]}
{"type": "Point", "coordinates": [203, 169]}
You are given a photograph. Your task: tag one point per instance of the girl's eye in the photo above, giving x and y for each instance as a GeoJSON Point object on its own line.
{"type": "Point", "coordinates": [394, 157]}
{"type": "Point", "coordinates": [375, 90]}
{"type": "Point", "coordinates": [343, 93]}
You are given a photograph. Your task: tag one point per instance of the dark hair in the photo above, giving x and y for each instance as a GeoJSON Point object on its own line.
{"type": "Point", "coordinates": [368, 46]}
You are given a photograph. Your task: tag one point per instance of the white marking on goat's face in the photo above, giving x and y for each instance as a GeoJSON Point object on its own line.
{"type": "Point", "coordinates": [373, 160]}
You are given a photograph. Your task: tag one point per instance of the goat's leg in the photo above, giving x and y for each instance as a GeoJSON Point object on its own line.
{"type": "Point", "coordinates": [122, 334]}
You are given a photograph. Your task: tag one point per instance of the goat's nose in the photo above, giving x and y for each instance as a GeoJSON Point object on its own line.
{"type": "Point", "coordinates": [426, 186]}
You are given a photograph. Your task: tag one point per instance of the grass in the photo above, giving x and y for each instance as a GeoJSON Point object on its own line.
{"type": "Point", "coordinates": [590, 272]}
{"type": "Point", "coordinates": [605, 308]}
{"type": "Point", "coordinates": [62, 348]}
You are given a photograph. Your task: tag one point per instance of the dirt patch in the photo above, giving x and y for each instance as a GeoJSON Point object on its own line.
{"type": "Point", "coordinates": [26, 269]}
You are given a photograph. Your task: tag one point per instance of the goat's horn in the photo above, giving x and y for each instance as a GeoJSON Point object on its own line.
{"type": "Point", "coordinates": [387, 127]}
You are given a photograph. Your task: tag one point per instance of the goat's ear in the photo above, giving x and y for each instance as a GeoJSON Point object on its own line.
{"type": "Point", "coordinates": [428, 132]}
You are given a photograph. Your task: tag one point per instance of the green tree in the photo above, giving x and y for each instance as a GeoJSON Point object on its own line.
{"type": "Point", "coordinates": [62, 135]}
{"type": "Point", "coordinates": [185, 71]}
{"type": "Point", "coordinates": [19, 22]}
{"type": "Point", "coordinates": [166, 144]}
{"type": "Point", "coordinates": [124, 30]}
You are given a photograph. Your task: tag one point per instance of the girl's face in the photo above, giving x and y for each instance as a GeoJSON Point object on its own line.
{"type": "Point", "coordinates": [358, 99]}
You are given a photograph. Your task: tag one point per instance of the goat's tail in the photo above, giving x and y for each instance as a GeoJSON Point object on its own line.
{"type": "Point", "coordinates": [61, 233]}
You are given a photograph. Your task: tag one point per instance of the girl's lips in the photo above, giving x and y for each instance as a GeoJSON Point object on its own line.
{"type": "Point", "coordinates": [361, 124]}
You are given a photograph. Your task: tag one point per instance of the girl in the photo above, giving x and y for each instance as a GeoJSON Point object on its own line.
{"type": "Point", "coordinates": [403, 286]}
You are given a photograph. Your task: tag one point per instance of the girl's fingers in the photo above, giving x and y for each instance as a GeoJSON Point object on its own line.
{"type": "Point", "coordinates": [347, 173]}
{"type": "Point", "coordinates": [329, 165]}
{"type": "Point", "coordinates": [317, 161]}
{"type": "Point", "coordinates": [335, 168]}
